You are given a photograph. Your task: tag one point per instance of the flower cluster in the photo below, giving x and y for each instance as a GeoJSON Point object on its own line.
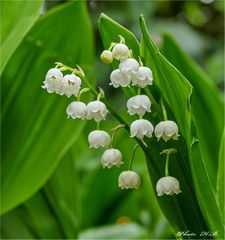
{"type": "Point", "coordinates": [56, 82]}
{"type": "Point", "coordinates": [130, 73]}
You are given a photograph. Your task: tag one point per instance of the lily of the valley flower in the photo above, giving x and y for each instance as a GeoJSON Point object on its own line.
{"type": "Point", "coordinates": [111, 157]}
{"type": "Point", "coordinates": [129, 67]}
{"type": "Point", "coordinates": [71, 85]}
{"type": "Point", "coordinates": [118, 79]}
{"type": "Point", "coordinates": [96, 110]}
{"type": "Point", "coordinates": [143, 77]}
{"type": "Point", "coordinates": [53, 81]}
{"type": "Point", "coordinates": [141, 128]}
{"type": "Point", "coordinates": [167, 130]}
{"type": "Point", "coordinates": [120, 52]}
{"type": "Point", "coordinates": [139, 104]}
{"type": "Point", "coordinates": [98, 138]}
{"type": "Point", "coordinates": [106, 56]}
{"type": "Point", "coordinates": [129, 180]}
{"type": "Point", "coordinates": [168, 185]}
{"type": "Point", "coordinates": [77, 109]}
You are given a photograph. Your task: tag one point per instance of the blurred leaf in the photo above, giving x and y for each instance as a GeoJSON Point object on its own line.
{"type": "Point", "coordinates": [42, 218]}
{"type": "Point", "coordinates": [220, 176]}
{"type": "Point", "coordinates": [63, 195]}
{"type": "Point", "coordinates": [14, 225]}
{"type": "Point", "coordinates": [17, 19]}
{"type": "Point", "coordinates": [215, 67]}
{"type": "Point", "coordinates": [36, 131]}
{"type": "Point", "coordinates": [204, 99]}
{"type": "Point", "coordinates": [177, 95]}
{"type": "Point", "coordinates": [122, 231]}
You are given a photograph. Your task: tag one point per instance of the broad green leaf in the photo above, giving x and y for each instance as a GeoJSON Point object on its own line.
{"type": "Point", "coordinates": [220, 176]}
{"type": "Point", "coordinates": [42, 218]}
{"type": "Point", "coordinates": [62, 193]}
{"type": "Point", "coordinates": [17, 19]}
{"type": "Point", "coordinates": [14, 225]}
{"type": "Point", "coordinates": [156, 166]}
{"type": "Point", "coordinates": [177, 91]}
{"type": "Point", "coordinates": [36, 131]}
{"type": "Point", "coordinates": [204, 99]}
{"type": "Point", "coordinates": [107, 25]}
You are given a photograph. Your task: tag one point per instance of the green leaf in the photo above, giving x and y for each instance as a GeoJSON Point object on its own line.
{"type": "Point", "coordinates": [110, 31]}
{"type": "Point", "coordinates": [177, 91]}
{"type": "Point", "coordinates": [18, 18]}
{"type": "Point", "coordinates": [14, 225]}
{"type": "Point", "coordinates": [40, 215]}
{"type": "Point", "coordinates": [36, 130]}
{"type": "Point", "coordinates": [220, 176]}
{"type": "Point", "coordinates": [65, 201]}
{"type": "Point", "coordinates": [204, 99]}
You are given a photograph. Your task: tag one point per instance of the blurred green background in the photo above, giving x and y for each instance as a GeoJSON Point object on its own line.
{"type": "Point", "coordinates": [70, 195]}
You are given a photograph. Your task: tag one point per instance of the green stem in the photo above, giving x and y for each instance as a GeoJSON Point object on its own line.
{"type": "Point", "coordinates": [164, 111]}
{"type": "Point", "coordinates": [167, 164]}
{"type": "Point", "coordinates": [114, 133]}
{"type": "Point", "coordinates": [132, 156]}
{"type": "Point", "coordinates": [98, 126]}
{"type": "Point", "coordinates": [139, 91]}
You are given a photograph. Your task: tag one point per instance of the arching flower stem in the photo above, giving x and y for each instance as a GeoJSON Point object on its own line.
{"type": "Point", "coordinates": [114, 133]}
{"type": "Point", "coordinates": [132, 155]}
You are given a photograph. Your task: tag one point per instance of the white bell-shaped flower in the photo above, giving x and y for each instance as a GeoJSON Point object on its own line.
{"type": "Point", "coordinates": [111, 157]}
{"type": "Point", "coordinates": [118, 79]}
{"type": "Point", "coordinates": [143, 77]}
{"type": "Point", "coordinates": [120, 51]}
{"type": "Point", "coordinates": [168, 185]}
{"type": "Point", "coordinates": [53, 81]}
{"type": "Point", "coordinates": [98, 138]}
{"type": "Point", "coordinates": [71, 85]}
{"type": "Point", "coordinates": [106, 56]}
{"type": "Point", "coordinates": [77, 109]}
{"type": "Point", "coordinates": [128, 180]}
{"type": "Point", "coordinates": [141, 128]}
{"type": "Point", "coordinates": [96, 110]}
{"type": "Point", "coordinates": [138, 105]}
{"type": "Point", "coordinates": [129, 67]}
{"type": "Point", "coordinates": [167, 130]}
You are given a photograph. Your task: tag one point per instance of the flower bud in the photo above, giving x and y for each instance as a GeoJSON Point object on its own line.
{"type": "Point", "coordinates": [168, 185]}
{"type": "Point", "coordinates": [138, 105]}
{"type": "Point", "coordinates": [96, 110]}
{"type": "Point", "coordinates": [129, 179]}
{"type": "Point", "coordinates": [53, 81]}
{"type": "Point", "coordinates": [167, 130]}
{"type": "Point", "coordinates": [119, 79]}
{"type": "Point", "coordinates": [129, 67]}
{"type": "Point", "coordinates": [98, 138]}
{"type": "Point", "coordinates": [141, 128]}
{"type": "Point", "coordinates": [106, 56]}
{"type": "Point", "coordinates": [143, 77]}
{"type": "Point", "coordinates": [71, 85]}
{"type": "Point", "coordinates": [120, 51]}
{"type": "Point", "coordinates": [77, 110]}
{"type": "Point", "coordinates": [111, 157]}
